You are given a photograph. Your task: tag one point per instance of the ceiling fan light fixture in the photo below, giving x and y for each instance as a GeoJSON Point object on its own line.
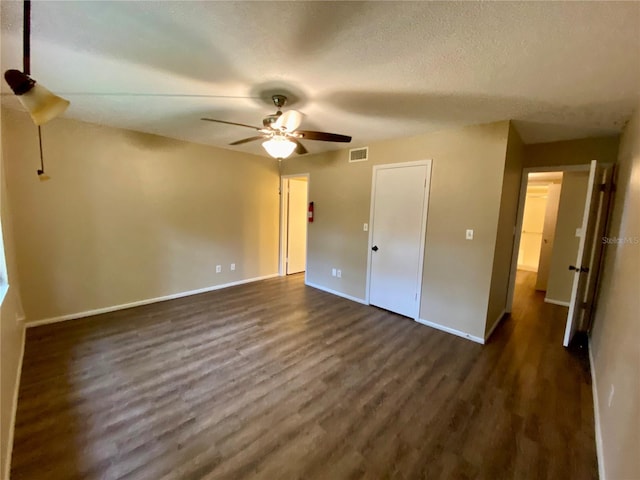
{"type": "Point", "coordinates": [41, 104]}
{"type": "Point", "coordinates": [279, 147]}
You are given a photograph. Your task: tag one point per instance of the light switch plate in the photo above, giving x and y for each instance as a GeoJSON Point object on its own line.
{"type": "Point", "coordinates": [469, 235]}
{"type": "Point", "coordinates": [365, 227]}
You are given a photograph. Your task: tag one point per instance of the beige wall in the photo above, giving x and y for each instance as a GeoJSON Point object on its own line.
{"type": "Point", "coordinates": [11, 326]}
{"type": "Point", "coordinates": [128, 216]}
{"type": "Point", "coordinates": [466, 189]}
{"type": "Point", "coordinates": [615, 340]}
{"type": "Point", "coordinates": [571, 152]}
{"type": "Point", "coordinates": [503, 250]}
{"type": "Point", "coordinates": [565, 243]}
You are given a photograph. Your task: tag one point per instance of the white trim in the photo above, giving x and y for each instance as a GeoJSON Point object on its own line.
{"type": "Point", "coordinates": [556, 302]}
{"type": "Point", "coordinates": [337, 293]}
{"type": "Point", "coordinates": [98, 311]}
{"type": "Point", "coordinates": [14, 409]}
{"type": "Point", "coordinates": [453, 331]}
{"type": "Point", "coordinates": [596, 416]}
{"type": "Point", "coordinates": [518, 227]}
{"type": "Point", "coordinates": [423, 233]}
{"type": "Point", "coordinates": [495, 325]}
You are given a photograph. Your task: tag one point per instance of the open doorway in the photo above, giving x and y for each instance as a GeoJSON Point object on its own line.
{"type": "Point", "coordinates": [568, 271]}
{"type": "Point", "coordinates": [537, 234]}
{"type": "Point", "coordinates": [293, 214]}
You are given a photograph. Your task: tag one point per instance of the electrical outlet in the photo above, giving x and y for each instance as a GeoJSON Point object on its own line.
{"type": "Point", "coordinates": [333, 272]}
{"type": "Point", "coordinates": [218, 268]}
{"type": "Point", "coordinates": [233, 267]}
{"type": "Point", "coordinates": [469, 235]}
{"type": "Point", "coordinates": [339, 273]}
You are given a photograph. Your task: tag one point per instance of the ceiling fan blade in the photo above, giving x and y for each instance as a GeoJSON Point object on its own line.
{"type": "Point", "coordinates": [231, 123]}
{"type": "Point", "coordinates": [322, 136]}
{"type": "Point", "coordinates": [289, 120]}
{"type": "Point", "coordinates": [300, 148]}
{"type": "Point", "coordinates": [247, 140]}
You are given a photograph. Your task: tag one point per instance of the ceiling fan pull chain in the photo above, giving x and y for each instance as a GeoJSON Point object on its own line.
{"type": "Point", "coordinates": [41, 171]}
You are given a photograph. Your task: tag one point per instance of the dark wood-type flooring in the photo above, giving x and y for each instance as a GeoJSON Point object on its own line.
{"type": "Point", "coordinates": [276, 380]}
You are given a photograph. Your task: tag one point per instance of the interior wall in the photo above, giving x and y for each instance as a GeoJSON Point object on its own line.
{"type": "Point", "coordinates": [466, 189]}
{"type": "Point", "coordinates": [614, 341]}
{"type": "Point", "coordinates": [572, 152]}
{"type": "Point", "coordinates": [11, 326]}
{"type": "Point", "coordinates": [535, 207]}
{"type": "Point", "coordinates": [128, 217]}
{"type": "Point", "coordinates": [565, 245]}
{"type": "Point", "coordinates": [503, 250]}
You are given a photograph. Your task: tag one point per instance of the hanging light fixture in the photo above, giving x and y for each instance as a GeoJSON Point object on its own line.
{"type": "Point", "coordinates": [279, 147]}
{"type": "Point", "coordinates": [41, 104]}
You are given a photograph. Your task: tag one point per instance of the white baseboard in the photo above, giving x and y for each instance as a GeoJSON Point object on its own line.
{"type": "Point", "coordinates": [98, 311]}
{"type": "Point", "coordinates": [14, 409]}
{"type": "Point", "coordinates": [495, 325]}
{"type": "Point", "coordinates": [596, 416]}
{"type": "Point", "coordinates": [453, 331]}
{"type": "Point", "coordinates": [335, 292]}
{"type": "Point", "coordinates": [556, 302]}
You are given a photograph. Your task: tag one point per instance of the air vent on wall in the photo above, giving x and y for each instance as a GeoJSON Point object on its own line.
{"type": "Point", "coordinates": [359, 154]}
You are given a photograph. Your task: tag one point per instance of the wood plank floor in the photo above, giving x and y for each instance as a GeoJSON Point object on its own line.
{"type": "Point", "coordinates": [276, 380]}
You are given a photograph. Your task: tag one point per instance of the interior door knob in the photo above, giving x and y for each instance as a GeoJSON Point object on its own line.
{"type": "Point", "coordinates": [579, 269]}
{"type": "Point", "coordinates": [374, 248]}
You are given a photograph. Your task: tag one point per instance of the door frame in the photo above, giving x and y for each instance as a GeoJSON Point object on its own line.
{"type": "Point", "coordinates": [423, 229]}
{"type": "Point", "coordinates": [282, 244]}
{"type": "Point", "coordinates": [518, 227]}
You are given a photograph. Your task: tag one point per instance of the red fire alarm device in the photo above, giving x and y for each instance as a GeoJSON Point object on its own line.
{"type": "Point", "coordinates": [310, 212]}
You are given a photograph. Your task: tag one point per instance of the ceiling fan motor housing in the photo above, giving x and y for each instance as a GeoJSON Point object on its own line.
{"type": "Point", "coordinates": [279, 101]}
{"type": "Point", "coordinates": [271, 119]}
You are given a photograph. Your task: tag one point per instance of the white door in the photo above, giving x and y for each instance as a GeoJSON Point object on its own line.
{"type": "Point", "coordinates": [589, 249]}
{"type": "Point", "coordinates": [297, 226]}
{"type": "Point", "coordinates": [398, 222]}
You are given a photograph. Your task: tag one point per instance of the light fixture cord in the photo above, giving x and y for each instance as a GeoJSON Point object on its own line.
{"type": "Point", "coordinates": [26, 38]}
{"type": "Point", "coordinates": [41, 171]}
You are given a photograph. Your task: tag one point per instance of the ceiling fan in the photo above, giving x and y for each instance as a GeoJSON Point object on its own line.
{"type": "Point", "coordinates": [280, 133]}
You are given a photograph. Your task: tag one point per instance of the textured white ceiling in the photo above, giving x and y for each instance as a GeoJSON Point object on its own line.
{"type": "Point", "coordinates": [372, 70]}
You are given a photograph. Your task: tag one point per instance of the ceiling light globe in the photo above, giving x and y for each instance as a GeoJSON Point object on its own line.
{"type": "Point", "coordinates": [41, 104]}
{"type": "Point", "coordinates": [279, 147]}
